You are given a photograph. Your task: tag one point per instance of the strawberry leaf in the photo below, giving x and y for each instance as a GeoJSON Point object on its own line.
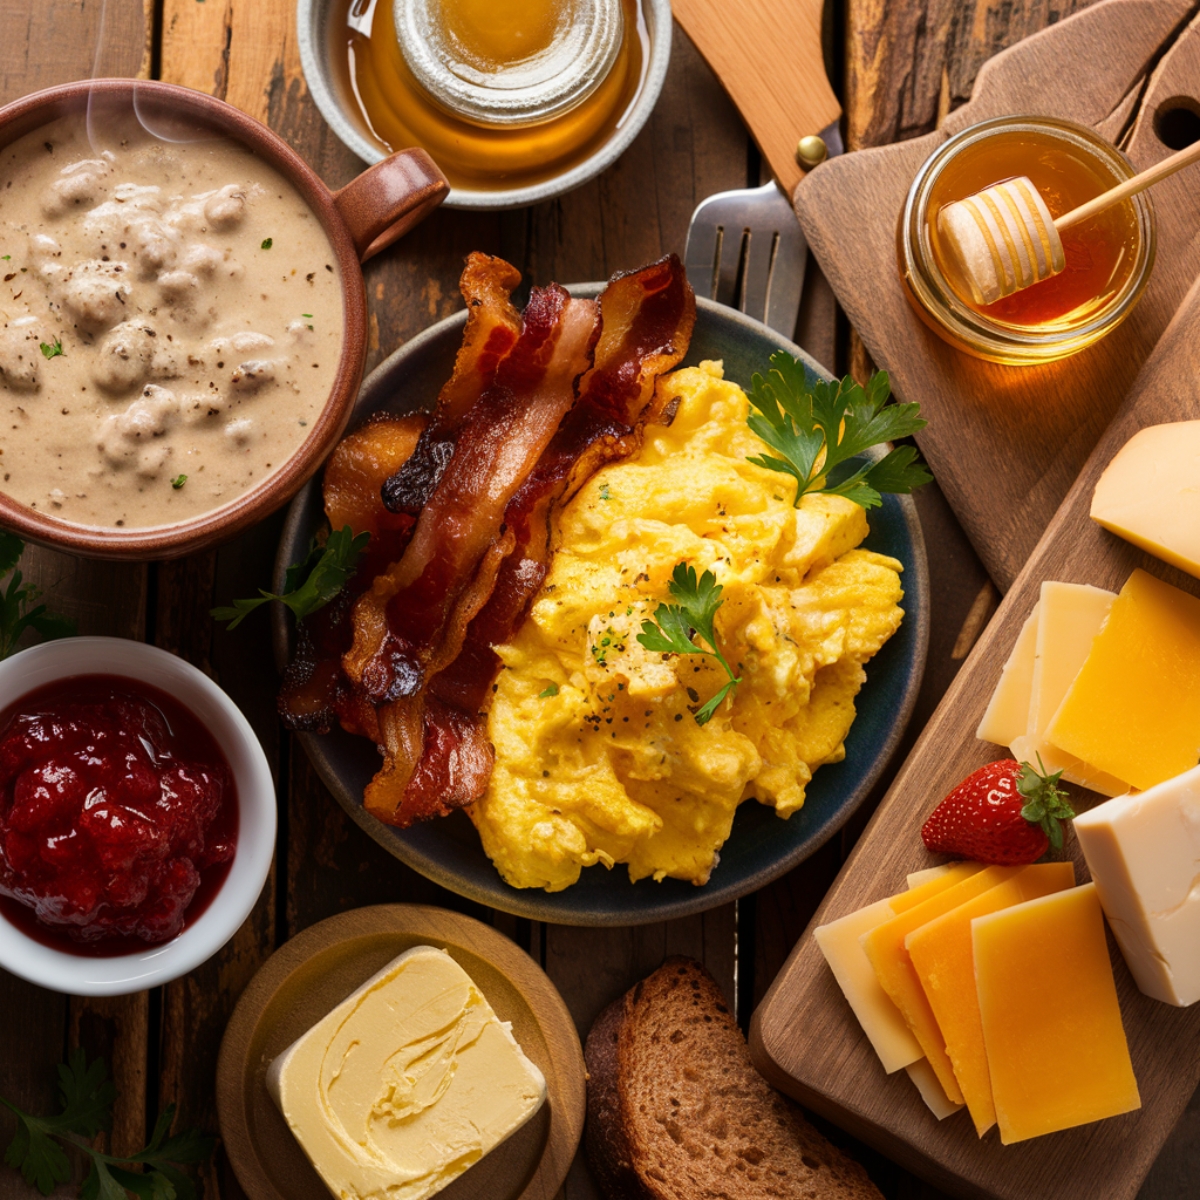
{"type": "Point", "coordinates": [1046, 804]}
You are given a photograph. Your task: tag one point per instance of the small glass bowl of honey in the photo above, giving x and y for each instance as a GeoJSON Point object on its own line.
{"type": "Point", "coordinates": [516, 100]}
{"type": "Point", "coordinates": [1108, 257]}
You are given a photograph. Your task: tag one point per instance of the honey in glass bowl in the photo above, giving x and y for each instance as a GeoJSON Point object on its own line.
{"type": "Point", "coordinates": [491, 36]}
{"type": "Point", "coordinates": [1108, 257]}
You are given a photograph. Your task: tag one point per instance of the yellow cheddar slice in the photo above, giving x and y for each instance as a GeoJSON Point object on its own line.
{"type": "Point", "coordinates": [932, 1092]}
{"type": "Point", "coordinates": [934, 883]}
{"type": "Point", "coordinates": [1056, 1048]}
{"type": "Point", "coordinates": [916, 878]}
{"type": "Point", "coordinates": [1150, 493]}
{"type": "Point", "coordinates": [1070, 615]}
{"type": "Point", "coordinates": [1134, 708]}
{"type": "Point", "coordinates": [884, 948]}
{"type": "Point", "coordinates": [1007, 714]}
{"type": "Point", "coordinates": [839, 941]}
{"type": "Point", "coordinates": [944, 961]}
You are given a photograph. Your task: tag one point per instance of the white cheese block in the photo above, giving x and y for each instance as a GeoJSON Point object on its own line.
{"type": "Point", "coordinates": [932, 1092]}
{"type": "Point", "coordinates": [881, 1020]}
{"type": "Point", "coordinates": [1007, 715]}
{"type": "Point", "coordinates": [1143, 851]}
{"type": "Point", "coordinates": [1150, 493]}
{"type": "Point", "coordinates": [406, 1083]}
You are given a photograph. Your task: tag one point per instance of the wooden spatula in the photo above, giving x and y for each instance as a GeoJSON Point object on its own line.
{"type": "Point", "coordinates": [767, 55]}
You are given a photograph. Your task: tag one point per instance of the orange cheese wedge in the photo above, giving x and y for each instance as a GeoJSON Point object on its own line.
{"type": "Point", "coordinates": [1056, 1047]}
{"type": "Point", "coordinates": [1134, 708]}
{"type": "Point", "coordinates": [943, 958]}
{"type": "Point", "coordinates": [884, 947]}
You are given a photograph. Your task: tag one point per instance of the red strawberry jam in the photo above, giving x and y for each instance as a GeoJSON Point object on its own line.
{"type": "Point", "coordinates": [116, 805]}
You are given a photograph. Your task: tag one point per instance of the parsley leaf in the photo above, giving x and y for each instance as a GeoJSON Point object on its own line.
{"type": "Point", "coordinates": [550, 690]}
{"type": "Point", "coordinates": [674, 624]}
{"type": "Point", "coordinates": [19, 609]}
{"type": "Point", "coordinates": [310, 584]}
{"type": "Point", "coordinates": [817, 427]}
{"type": "Point", "coordinates": [85, 1098]}
{"type": "Point", "coordinates": [53, 351]}
{"type": "Point", "coordinates": [178, 481]}
{"type": "Point", "coordinates": [267, 243]}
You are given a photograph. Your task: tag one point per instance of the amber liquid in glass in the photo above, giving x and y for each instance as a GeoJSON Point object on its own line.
{"type": "Point", "coordinates": [397, 112]}
{"type": "Point", "coordinates": [1099, 253]}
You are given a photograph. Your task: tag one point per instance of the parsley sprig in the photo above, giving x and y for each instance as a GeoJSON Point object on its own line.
{"type": "Point", "coordinates": [85, 1098]}
{"type": "Point", "coordinates": [818, 427]}
{"type": "Point", "coordinates": [310, 584]}
{"type": "Point", "coordinates": [19, 609]}
{"type": "Point", "coordinates": [674, 624]}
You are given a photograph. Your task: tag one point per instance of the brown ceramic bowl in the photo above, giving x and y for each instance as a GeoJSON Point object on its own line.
{"type": "Point", "coordinates": [361, 219]}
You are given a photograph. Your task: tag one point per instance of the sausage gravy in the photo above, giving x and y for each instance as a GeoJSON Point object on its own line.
{"type": "Point", "coordinates": [170, 323]}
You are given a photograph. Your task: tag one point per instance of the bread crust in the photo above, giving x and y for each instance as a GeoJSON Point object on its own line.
{"type": "Point", "coordinates": [676, 1110]}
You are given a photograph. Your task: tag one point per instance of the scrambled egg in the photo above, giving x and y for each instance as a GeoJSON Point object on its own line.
{"type": "Point", "coordinates": [598, 756]}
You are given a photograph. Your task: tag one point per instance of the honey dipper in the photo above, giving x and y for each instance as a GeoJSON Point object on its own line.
{"type": "Point", "coordinates": [1004, 239]}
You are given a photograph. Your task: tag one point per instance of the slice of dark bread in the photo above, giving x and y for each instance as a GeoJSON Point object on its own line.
{"type": "Point", "coordinates": [676, 1110]}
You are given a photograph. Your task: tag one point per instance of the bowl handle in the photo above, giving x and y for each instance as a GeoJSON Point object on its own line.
{"type": "Point", "coordinates": [389, 198]}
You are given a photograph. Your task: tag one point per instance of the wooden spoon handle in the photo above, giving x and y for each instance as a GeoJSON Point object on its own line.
{"type": "Point", "coordinates": [768, 57]}
{"type": "Point", "coordinates": [1139, 183]}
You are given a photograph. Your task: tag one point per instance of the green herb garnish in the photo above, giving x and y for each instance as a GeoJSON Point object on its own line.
{"type": "Point", "coordinates": [674, 624]}
{"type": "Point", "coordinates": [267, 243]}
{"type": "Point", "coordinates": [53, 351]}
{"type": "Point", "coordinates": [550, 690]}
{"type": "Point", "coordinates": [817, 427]}
{"type": "Point", "coordinates": [178, 481]}
{"type": "Point", "coordinates": [308, 585]}
{"type": "Point", "coordinates": [605, 494]}
{"type": "Point", "coordinates": [19, 609]}
{"type": "Point", "coordinates": [85, 1098]}
{"type": "Point", "coordinates": [6, 257]}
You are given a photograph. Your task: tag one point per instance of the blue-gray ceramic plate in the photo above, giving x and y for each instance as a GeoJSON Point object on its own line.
{"type": "Point", "coordinates": [761, 847]}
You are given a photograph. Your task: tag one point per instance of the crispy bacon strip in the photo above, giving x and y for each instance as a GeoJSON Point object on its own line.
{"type": "Point", "coordinates": [647, 318]}
{"type": "Point", "coordinates": [492, 328]}
{"type": "Point", "coordinates": [315, 691]}
{"type": "Point", "coordinates": [413, 620]}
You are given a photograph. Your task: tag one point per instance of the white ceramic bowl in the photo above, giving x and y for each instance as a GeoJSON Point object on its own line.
{"type": "Point", "coordinates": [317, 41]}
{"type": "Point", "coordinates": [78, 974]}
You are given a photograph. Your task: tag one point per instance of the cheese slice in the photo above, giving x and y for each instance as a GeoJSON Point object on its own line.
{"type": "Point", "coordinates": [1150, 493]}
{"type": "Point", "coordinates": [1007, 715]}
{"type": "Point", "coordinates": [932, 1092]}
{"type": "Point", "coordinates": [884, 947]}
{"type": "Point", "coordinates": [1134, 708]}
{"type": "Point", "coordinates": [1056, 1048]}
{"type": "Point", "coordinates": [944, 961]}
{"type": "Point", "coordinates": [1070, 615]}
{"type": "Point", "coordinates": [839, 941]}
{"type": "Point", "coordinates": [406, 1083]}
{"type": "Point", "coordinates": [916, 878]}
{"type": "Point", "coordinates": [1143, 851]}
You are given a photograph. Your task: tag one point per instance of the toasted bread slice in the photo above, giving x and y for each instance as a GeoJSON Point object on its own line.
{"type": "Point", "coordinates": [676, 1110]}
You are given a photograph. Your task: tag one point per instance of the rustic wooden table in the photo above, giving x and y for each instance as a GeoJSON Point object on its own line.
{"type": "Point", "coordinates": [898, 67]}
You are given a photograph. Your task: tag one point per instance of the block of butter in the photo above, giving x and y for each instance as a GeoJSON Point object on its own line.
{"type": "Point", "coordinates": [406, 1083]}
{"type": "Point", "coordinates": [1150, 495]}
{"type": "Point", "coordinates": [1142, 851]}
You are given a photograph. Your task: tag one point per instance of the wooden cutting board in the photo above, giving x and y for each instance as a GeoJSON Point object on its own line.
{"type": "Point", "coordinates": [804, 1037]}
{"type": "Point", "coordinates": [1006, 443]}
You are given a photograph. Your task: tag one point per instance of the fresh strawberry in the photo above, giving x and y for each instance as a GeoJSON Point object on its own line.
{"type": "Point", "coordinates": [1005, 813]}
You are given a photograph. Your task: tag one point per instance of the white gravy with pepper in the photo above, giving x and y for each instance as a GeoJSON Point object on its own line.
{"type": "Point", "coordinates": [170, 323]}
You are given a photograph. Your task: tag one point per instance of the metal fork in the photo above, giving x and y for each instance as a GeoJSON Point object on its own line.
{"type": "Point", "coordinates": [745, 248]}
